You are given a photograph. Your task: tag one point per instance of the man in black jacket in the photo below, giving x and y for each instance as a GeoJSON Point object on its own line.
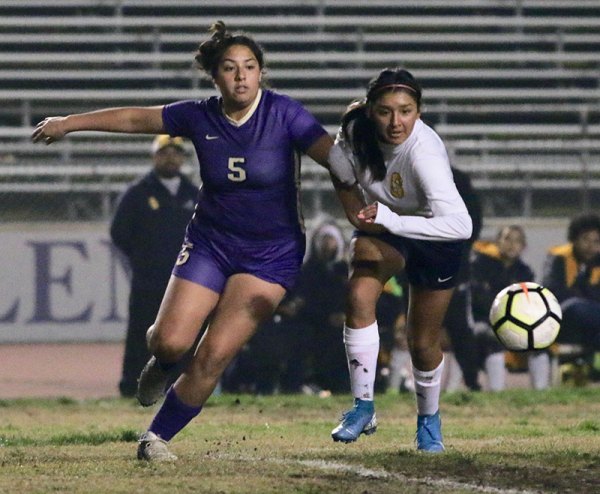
{"type": "Point", "coordinates": [148, 228]}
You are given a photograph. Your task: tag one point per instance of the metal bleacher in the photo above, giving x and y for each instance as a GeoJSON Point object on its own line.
{"type": "Point", "coordinates": [512, 86]}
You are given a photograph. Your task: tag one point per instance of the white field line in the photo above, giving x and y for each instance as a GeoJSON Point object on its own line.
{"type": "Point", "coordinates": [365, 472]}
{"type": "Point", "coordinates": [382, 474]}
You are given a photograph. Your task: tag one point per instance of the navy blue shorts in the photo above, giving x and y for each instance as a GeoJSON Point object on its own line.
{"type": "Point", "coordinates": [429, 264]}
{"type": "Point", "coordinates": [209, 262]}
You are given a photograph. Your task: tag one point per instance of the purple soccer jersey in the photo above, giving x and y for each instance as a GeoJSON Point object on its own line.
{"type": "Point", "coordinates": [248, 217]}
{"type": "Point", "coordinates": [250, 174]}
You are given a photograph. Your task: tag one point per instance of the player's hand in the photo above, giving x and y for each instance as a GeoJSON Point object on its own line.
{"type": "Point", "coordinates": [368, 213]}
{"type": "Point", "coordinates": [366, 217]}
{"type": "Point", "coordinates": [49, 130]}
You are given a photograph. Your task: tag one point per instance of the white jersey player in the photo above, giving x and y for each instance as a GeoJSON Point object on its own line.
{"type": "Point", "coordinates": [394, 180]}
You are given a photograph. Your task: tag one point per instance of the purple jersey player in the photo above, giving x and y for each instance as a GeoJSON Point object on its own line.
{"type": "Point", "coordinates": [245, 243]}
{"type": "Point", "coordinates": [248, 200]}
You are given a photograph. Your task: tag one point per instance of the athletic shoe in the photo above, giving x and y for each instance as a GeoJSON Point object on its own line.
{"type": "Point", "coordinates": [153, 448]}
{"type": "Point", "coordinates": [152, 382]}
{"type": "Point", "coordinates": [359, 420]}
{"type": "Point", "coordinates": [429, 433]}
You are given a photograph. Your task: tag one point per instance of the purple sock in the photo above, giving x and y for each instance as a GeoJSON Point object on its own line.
{"type": "Point", "coordinates": [173, 416]}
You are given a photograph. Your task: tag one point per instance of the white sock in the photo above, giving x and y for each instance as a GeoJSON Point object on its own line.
{"type": "Point", "coordinates": [495, 368]}
{"type": "Point", "coordinates": [539, 369]}
{"type": "Point", "coordinates": [427, 388]}
{"type": "Point", "coordinates": [362, 349]}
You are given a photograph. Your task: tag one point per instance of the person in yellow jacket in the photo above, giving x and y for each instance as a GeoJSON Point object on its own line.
{"type": "Point", "coordinates": [494, 266]}
{"type": "Point", "coordinates": [572, 273]}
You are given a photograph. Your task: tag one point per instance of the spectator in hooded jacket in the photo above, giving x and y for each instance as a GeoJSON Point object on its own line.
{"type": "Point", "coordinates": [322, 291]}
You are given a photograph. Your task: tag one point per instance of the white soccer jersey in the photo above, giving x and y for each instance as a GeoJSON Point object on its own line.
{"type": "Point", "coordinates": [418, 197]}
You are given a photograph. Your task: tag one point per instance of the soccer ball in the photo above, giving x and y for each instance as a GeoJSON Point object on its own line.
{"type": "Point", "coordinates": [525, 316]}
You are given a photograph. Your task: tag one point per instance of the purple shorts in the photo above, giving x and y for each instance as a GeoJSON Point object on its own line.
{"type": "Point", "coordinates": [209, 262]}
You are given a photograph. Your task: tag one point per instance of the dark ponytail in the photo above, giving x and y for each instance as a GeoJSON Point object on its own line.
{"type": "Point", "coordinates": [363, 141]}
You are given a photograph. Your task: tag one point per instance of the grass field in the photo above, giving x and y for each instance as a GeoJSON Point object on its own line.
{"type": "Point", "coordinates": [509, 442]}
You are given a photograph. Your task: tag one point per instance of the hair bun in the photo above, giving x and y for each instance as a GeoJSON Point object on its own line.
{"type": "Point", "coordinates": [219, 30]}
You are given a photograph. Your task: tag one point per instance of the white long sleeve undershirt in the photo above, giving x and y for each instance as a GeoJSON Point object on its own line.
{"type": "Point", "coordinates": [449, 227]}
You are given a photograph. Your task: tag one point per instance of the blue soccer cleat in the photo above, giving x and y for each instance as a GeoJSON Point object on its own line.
{"type": "Point", "coordinates": [429, 433]}
{"type": "Point", "coordinates": [359, 420]}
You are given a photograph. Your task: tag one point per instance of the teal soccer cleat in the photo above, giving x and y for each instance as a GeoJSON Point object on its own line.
{"type": "Point", "coordinates": [359, 420]}
{"type": "Point", "coordinates": [429, 433]}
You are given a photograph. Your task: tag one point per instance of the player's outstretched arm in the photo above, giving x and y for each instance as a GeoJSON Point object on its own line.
{"type": "Point", "coordinates": [134, 120]}
{"type": "Point", "coordinates": [319, 150]}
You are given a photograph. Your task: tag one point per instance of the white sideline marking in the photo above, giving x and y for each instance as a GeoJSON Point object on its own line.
{"type": "Point", "coordinates": [343, 467]}
{"type": "Point", "coordinates": [382, 474]}
{"type": "Point", "coordinates": [362, 471]}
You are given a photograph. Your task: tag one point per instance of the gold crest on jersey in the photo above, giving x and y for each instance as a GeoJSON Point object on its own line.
{"type": "Point", "coordinates": [396, 186]}
{"type": "Point", "coordinates": [153, 203]}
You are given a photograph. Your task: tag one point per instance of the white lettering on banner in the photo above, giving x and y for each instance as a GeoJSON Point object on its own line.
{"type": "Point", "coordinates": [61, 282]}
